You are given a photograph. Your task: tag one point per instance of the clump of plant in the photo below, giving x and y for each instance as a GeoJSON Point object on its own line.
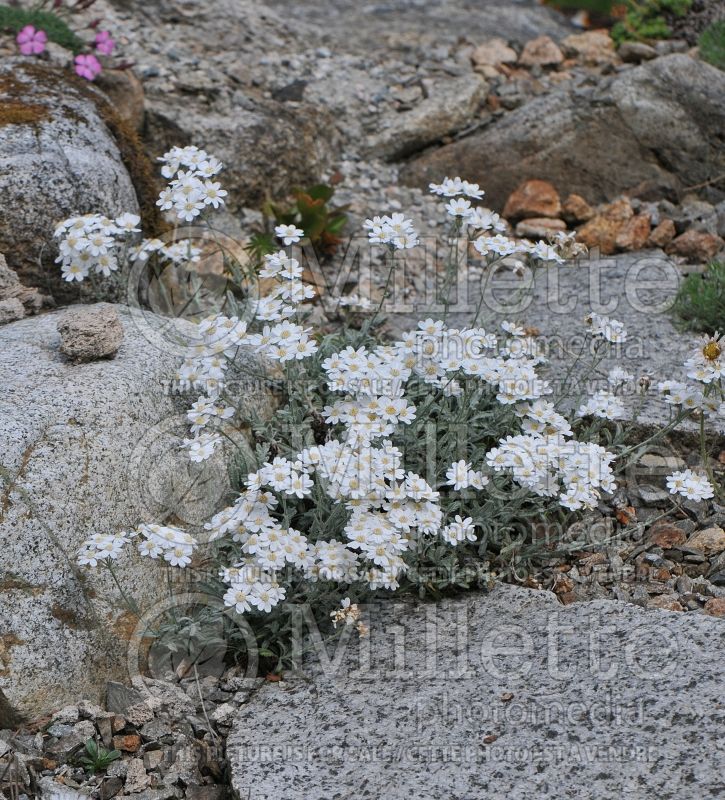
{"type": "Point", "coordinates": [311, 212]}
{"type": "Point", "coordinates": [700, 300]}
{"type": "Point", "coordinates": [646, 20]}
{"type": "Point", "coordinates": [388, 464]}
{"type": "Point", "coordinates": [49, 20]}
{"type": "Point", "coordinates": [712, 44]}
{"type": "Point", "coordinates": [96, 758]}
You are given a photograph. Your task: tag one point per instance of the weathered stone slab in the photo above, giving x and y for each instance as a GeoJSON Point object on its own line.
{"type": "Point", "coordinates": [86, 448]}
{"type": "Point", "coordinates": [500, 695]}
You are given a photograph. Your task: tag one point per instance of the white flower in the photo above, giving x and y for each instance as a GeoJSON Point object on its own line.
{"type": "Point", "coordinates": [707, 362]}
{"type": "Point", "coordinates": [610, 329]}
{"type": "Point", "coordinates": [395, 230]}
{"type": "Point", "coordinates": [457, 475]}
{"type": "Point", "coordinates": [603, 405]}
{"type": "Point", "coordinates": [202, 447]}
{"type": "Point", "coordinates": [459, 208]}
{"type": "Point", "coordinates": [289, 234]}
{"type": "Point", "coordinates": [690, 485]}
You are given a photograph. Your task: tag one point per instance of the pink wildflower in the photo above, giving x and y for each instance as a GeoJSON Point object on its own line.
{"type": "Point", "coordinates": [31, 42]}
{"type": "Point", "coordinates": [87, 67]}
{"type": "Point", "coordinates": [104, 43]}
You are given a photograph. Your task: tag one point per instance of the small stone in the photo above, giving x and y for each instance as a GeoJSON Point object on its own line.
{"type": "Point", "coordinates": [153, 758]}
{"type": "Point", "coordinates": [663, 234]}
{"type": "Point", "coordinates": [139, 714]}
{"type": "Point", "coordinates": [602, 230]}
{"type": "Point", "coordinates": [67, 715]}
{"type": "Point", "coordinates": [635, 52]}
{"type": "Point", "coordinates": [684, 584]}
{"type": "Point", "coordinates": [11, 310]}
{"type": "Point", "coordinates": [667, 536]}
{"type": "Point", "coordinates": [575, 209]}
{"type": "Point", "coordinates": [711, 541]}
{"type": "Point", "coordinates": [90, 332]}
{"type": "Point", "coordinates": [696, 246]}
{"type": "Point", "coordinates": [129, 742]}
{"type": "Point", "coordinates": [541, 52]}
{"type": "Point", "coordinates": [118, 723]}
{"type": "Point", "coordinates": [666, 602]}
{"type": "Point", "coordinates": [136, 778]}
{"type": "Point", "coordinates": [539, 227]}
{"type": "Point", "coordinates": [111, 787]}
{"type": "Point", "coordinates": [652, 495]}
{"type": "Point", "coordinates": [224, 714]}
{"type": "Point", "coordinates": [85, 729]}
{"type": "Point", "coordinates": [493, 52]}
{"type": "Point", "coordinates": [715, 607]}
{"type": "Point", "coordinates": [533, 198]}
{"type": "Point", "coordinates": [105, 729]}
{"type": "Point", "coordinates": [117, 769]}
{"type": "Point", "coordinates": [208, 792]}
{"type": "Point", "coordinates": [592, 47]}
{"type": "Point", "coordinates": [634, 233]}
{"type": "Point", "coordinates": [119, 698]}
{"type": "Point", "coordinates": [91, 711]}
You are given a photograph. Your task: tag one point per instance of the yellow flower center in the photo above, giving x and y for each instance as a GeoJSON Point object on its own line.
{"type": "Point", "coordinates": [712, 351]}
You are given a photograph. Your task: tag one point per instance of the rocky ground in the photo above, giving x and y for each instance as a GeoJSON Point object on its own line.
{"type": "Point", "coordinates": [562, 130]}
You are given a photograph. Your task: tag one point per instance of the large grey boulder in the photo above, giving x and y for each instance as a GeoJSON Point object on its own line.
{"type": "Point", "coordinates": [86, 448]}
{"type": "Point", "coordinates": [656, 127]}
{"type": "Point", "coordinates": [58, 158]}
{"type": "Point", "coordinates": [502, 695]}
{"type": "Point", "coordinates": [450, 106]}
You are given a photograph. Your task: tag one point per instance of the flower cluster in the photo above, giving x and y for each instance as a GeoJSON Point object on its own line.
{"type": "Point", "coordinates": [396, 231]}
{"type": "Point", "coordinates": [390, 510]}
{"type": "Point", "coordinates": [90, 243]}
{"type": "Point", "coordinates": [33, 42]}
{"type": "Point", "coordinates": [341, 501]}
{"type": "Point", "coordinates": [606, 328]}
{"type": "Point", "coordinates": [706, 363]}
{"type": "Point", "coordinates": [174, 545]}
{"type": "Point", "coordinates": [604, 405]}
{"type": "Point", "coordinates": [488, 228]}
{"type": "Point", "coordinates": [690, 485]}
{"type": "Point", "coordinates": [191, 188]}
{"type": "Point", "coordinates": [705, 366]}
{"type": "Point", "coordinates": [102, 547]}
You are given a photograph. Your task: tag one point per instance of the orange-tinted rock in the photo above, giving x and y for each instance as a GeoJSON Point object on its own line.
{"type": "Point", "coordinates": [665, 602]}
{"type": "Point", "coordinates": [663, 234]}
{"type": "Point", "coordinates": [634, 233]}
{"type": "Point", "coordinates": [667, 536]}
{"type": "Point", "coordinates": [696, 246]}
{"type": "Point", "coordinates": [575, 209]}
{"type": "Point", "coordinates": [541, 52]}
{"type": "Point", "coordinates": [591, 47]}
{"type": "Point", "coordinates": [533, 198]}
{"type": "Point", "coordinates": [493, 52]}
{"type": "Point", "coordinates": [710, 541]}
{"type": "Point", "coordinates": [715, 607]}
{"type": "Point", "coordinates": [602, 230]}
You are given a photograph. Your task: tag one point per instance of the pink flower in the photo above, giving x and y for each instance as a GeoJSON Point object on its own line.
{"type": "Point", "coordinates": [104, 43]}
{"type": "Point", "coordinates": [87, 67]}
{"type": "Point", "coordinates": [31, 42]}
